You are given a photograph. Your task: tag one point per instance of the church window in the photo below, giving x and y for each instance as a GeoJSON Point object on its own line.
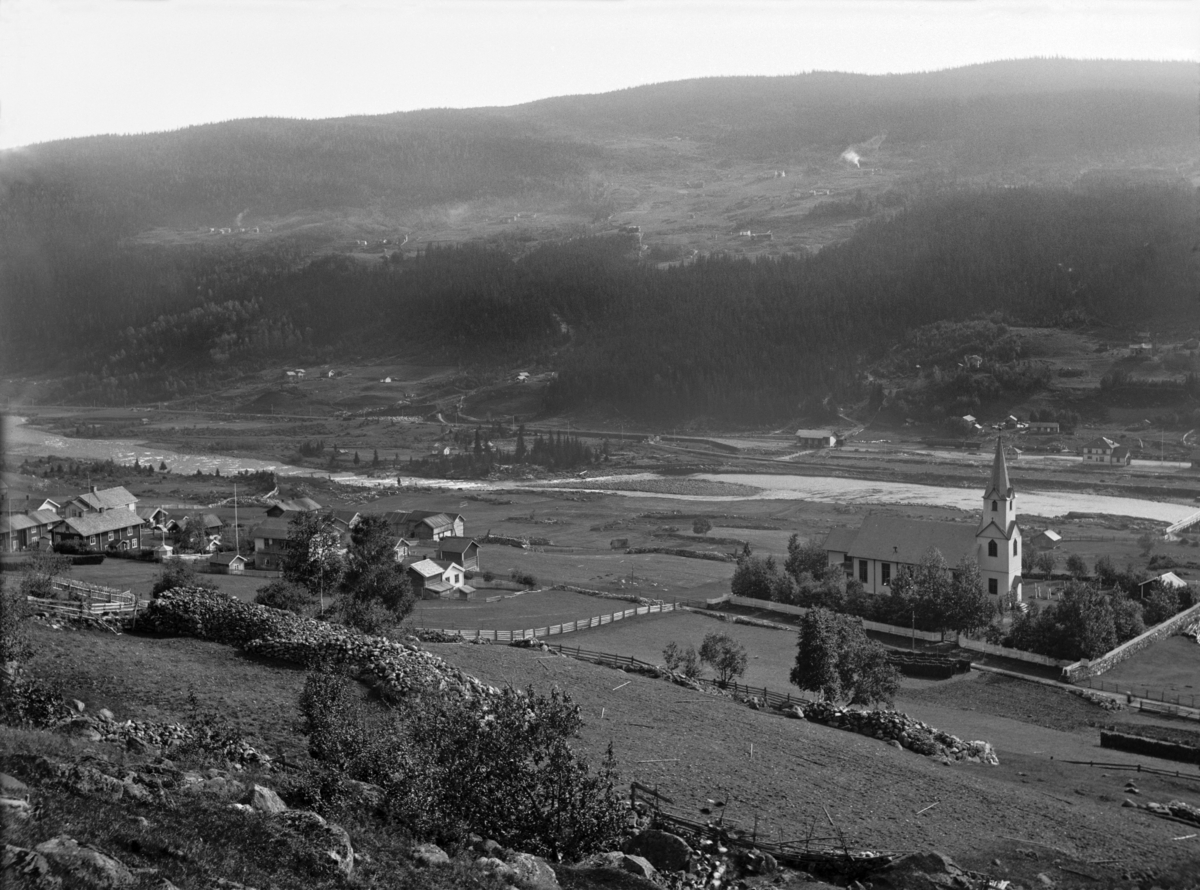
{"type": "Point", "coordinates": [885, 573]}
{"type": "Point", "coordinates": [993, 587]}
{"type": "Point", "coordinates": [993, 506]}
{"type": "Point", "coordinates": [862, 571]}
{"type": "Point", "coordinates": [1014, 546]}
{"type": "Point", "coordinates": [992, 548]}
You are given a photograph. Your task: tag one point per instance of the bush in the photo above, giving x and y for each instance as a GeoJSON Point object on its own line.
{"type": "Point", "coordinates": [501, 768]}
{"type": "Point", "coordinates": [177, 573]}
{"type": "Point", "coordinates": [685, 661]}
{"type": "Point", "coordinates": [524, 578]}
{"type": "Point", "coordinates": [701, 526]}
{"type": "Point", "coordinates": [725, 655]}
{"type": "Point", "coordinates": [284, 595]}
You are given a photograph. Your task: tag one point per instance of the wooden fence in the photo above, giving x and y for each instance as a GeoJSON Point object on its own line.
{"type": "Point", "coordinates": [78, 599]}
{"type": "Point", "coordinates": [1140, 691]}
{"type": "Point", "coordinates": [550, 630]}
{"type": "Point", "coordinates": [784, 608]}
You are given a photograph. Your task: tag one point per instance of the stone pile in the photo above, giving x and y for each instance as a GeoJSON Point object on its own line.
{"type": "Point", "coordinates": [1096, 698]}
{"type": "Point", "coordinates": [903, 730]}
{"type": "Point", "coordinates": [1176, 809]}
{"type": "Point", "coordinates": [145, 736]}
{"type": "Point", "coordinates": [399, 669]}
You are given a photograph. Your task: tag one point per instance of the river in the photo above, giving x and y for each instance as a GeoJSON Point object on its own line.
{"type": "Point", "coordinates": [22, 440]}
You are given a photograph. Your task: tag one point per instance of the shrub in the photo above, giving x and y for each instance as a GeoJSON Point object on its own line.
{"type": "Point", "coordinates": [284, 595]}
{"type": "Point", "coordinates": [501, 767]}
{"type": "Point", "coordinates": [701, 526]}
{"type": "Point", "coordinates": [524, 578]}
{"type": "Point", "coordinates": [1076, 566]}
{"type": "Point", "coordinates": [178, 573]}
{"type": "Point", "coordinates": [685, 661]}
{"type": "Point", "coordinates": [725, 655]}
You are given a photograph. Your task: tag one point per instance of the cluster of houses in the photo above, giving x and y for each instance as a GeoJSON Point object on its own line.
{"type": "Point", "coordinates": [106, 520]}
{"type": "Point", "coordinates": [440, 572]}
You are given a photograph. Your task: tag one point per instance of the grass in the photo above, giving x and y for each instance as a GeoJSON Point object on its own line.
{"type": "Point", "coordinates": [1171, 666]}
{"type": "Point", "coordinates": [139, 577]}
{"type": "Point", "coordinates": [536, 609]}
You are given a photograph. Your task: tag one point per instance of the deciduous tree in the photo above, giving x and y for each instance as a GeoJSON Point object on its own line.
{"type": "Point", "coordinates": [835, 659]}
{"type": "Point", "coordinates": [725, 655]}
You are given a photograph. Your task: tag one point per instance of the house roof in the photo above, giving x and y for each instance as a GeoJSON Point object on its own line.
{"type": "Point", "coordinates": [20, 521]}
{"type": "Point", "coordinates": [999, 484]}
{"type": "Point", "coordinates": [427, 568]}
{"type": "Point", "coordinates": [840, 540]}
{"type": "Point", "coordinates": [148, 513]}
{"type": "Point", "coordinates": [272, 527]}
{"type": "Point", "coordinates": [99, 523]}
{"type": "Point", "coordinates": [1101, 442]}
{"type": "Point", "coordinates": [452, 544]}
{"type": "Point", "coordinates": [1051, 535]}
{"type": "Point", "coordinates": [1167, 579]}
{"type": "Point", "coordinates": [814, 434]}
{"type": "Point", "coordinates": [896, 539]}
{"type": "Point", "coordinates": [447, 564]}
{"type": "Point", "coordinates": [296, 505]}
{"type": "Point", "coordinates": [211, 520]}
{"type": "Point", "coordinates": [107, 498]}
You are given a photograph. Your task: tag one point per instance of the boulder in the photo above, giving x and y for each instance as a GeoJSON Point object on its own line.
{"type": "Point", "coordinates": [12, 787]}
{"type": "Point", "coordinates": [82, 866]}
{"type": "Point", "coordinates": [637, 865]}
{"type": "Point", "coordinates": [665, 851]}
{"type": "Point", "coordinates": [328, 843]}
{"type": "Point", "coordinates": [497, 867]}
{"type": "Point", "coordinates": [532, 872]}
{"type": "Point", "coordinates": [25, 868]}
{"type": "Point", "coordinates": [429, 854]}
{"type": "Point", "coordinates": [13, 809]}
{"type": "Point", "coordinates": [263, 799]}
{"type": "Point", "coordinates": [105, 714]}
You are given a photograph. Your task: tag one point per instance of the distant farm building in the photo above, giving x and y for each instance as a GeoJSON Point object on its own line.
{"type": "Point", "coordinates": [1043, 427]}
{"type": "Point", "coordinates": [227, 563]}
{"type": "Point", "coordinates": [464, 551]}
{"type": "Point", "coordinates": [1102, 450]}
{"type": "Point", "coordinates": [1167, 580]}
{"type": "Point", "coordinates": [816, 438]}
{"type": "Point", "coordinates": [1046, 540]}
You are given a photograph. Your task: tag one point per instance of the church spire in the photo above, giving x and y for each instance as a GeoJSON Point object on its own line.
{"type": "Point", "coordinates": [999, 486]}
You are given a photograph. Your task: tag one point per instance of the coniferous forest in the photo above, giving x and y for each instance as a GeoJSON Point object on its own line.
{"type": "Point", "coordinates": [733, 338]}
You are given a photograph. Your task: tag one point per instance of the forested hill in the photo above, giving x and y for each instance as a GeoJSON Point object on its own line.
{"type": "Point", "coordinates": [731, 339]}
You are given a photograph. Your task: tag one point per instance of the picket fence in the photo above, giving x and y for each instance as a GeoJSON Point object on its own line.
{"type": "Point", "coordinates": [550, 630]}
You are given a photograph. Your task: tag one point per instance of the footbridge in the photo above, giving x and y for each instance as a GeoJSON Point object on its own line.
{"type": "Point", "coordinates": [1186, 522]}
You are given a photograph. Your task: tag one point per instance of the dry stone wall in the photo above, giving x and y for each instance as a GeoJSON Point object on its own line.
{"type": "Point", "coordinates": [1082, 670]}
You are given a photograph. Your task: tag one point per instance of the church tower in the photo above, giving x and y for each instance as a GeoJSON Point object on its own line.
{"type": "Point", "coordinates": [998, 541]}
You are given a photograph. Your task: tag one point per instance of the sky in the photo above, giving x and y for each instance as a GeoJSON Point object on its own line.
{"type": "Point", "coordinates": [82, 67]}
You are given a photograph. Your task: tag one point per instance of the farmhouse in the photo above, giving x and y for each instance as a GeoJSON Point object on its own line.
{"type": "Point", "coordinates": [424, 525]}
{"type": "Point", "coordinates": [816, 438]}
{"type": "Point", "coordinates": [1102, 450]}
{"type": "Point", "coordinates": [438, 578]}
{"type": "Point", "coordinates": [154, 518]}
{"type": "Point", "coordinates": [464, 551]}
{"type": "Point", "coordinates": [299, 505]}
{"type": "Point", "coordinates": [876, 551]}
{"type": "Point", "coordinates": [117, 529]}
{"type": "Point", "coordinates": [101, 501]}
{"type": "Point", "coordinates": [270, 537]}
{"type": "Point", "coordinates": [1043, 427]}
{"type": "Point", "coordinates": [26, 531]}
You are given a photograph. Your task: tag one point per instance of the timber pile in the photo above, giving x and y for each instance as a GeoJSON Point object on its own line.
{"type": "Point", "coordinates": [927, 664]}
{"type": "Point", "coordinates": [399, 669]}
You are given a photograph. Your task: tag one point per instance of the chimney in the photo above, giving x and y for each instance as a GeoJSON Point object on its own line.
{"type": "Point", "coordinates": [93, 489]}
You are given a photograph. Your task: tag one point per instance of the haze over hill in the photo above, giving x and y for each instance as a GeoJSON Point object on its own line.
{"type": "Point", "coordinates": [143, 266]}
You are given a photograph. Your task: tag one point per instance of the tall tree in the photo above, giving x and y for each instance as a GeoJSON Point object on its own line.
{"type": "Point", "coordinates": [312, 554]}
{"type": "Point", "coordinates": [836, 659]}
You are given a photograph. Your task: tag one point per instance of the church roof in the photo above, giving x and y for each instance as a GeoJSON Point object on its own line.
{"type": "Point", "coordinates": [999, 484]}
{"type": "Point", "coordinates": [901, 540]}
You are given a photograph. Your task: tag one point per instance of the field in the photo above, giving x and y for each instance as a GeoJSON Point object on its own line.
{"type": "Point", "coordinates": [696, 748]}
{"type": "Point", "coordinates": [535, 609]}
{"type": "Point", "coordinates": [1172, 666]}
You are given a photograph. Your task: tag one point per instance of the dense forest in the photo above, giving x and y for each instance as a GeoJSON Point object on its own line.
{"type": "Point", "coordinates": [730, 338]}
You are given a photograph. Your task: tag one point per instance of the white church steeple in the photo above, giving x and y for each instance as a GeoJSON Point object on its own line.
{"type": "Point", "coordinates": [999, 536]}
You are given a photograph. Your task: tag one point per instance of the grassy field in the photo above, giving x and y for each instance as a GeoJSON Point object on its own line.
{"type": "Point", "coordinates": [139, 577]}
{"type": "Point", "coordinates": [513, 612]}
{"type": "Point", "coordinates": [1171, 666]}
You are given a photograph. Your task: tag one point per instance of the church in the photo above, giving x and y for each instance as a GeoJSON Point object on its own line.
{"type": "Point", "coordinates": [875, 551]}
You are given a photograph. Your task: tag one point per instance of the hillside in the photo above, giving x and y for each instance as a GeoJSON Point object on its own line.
{"type": "Point", "coordinates": [153, 266]}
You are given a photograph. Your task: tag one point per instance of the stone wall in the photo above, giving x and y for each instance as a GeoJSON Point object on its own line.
{"type": "Point", "coordinates": [1082, 670]}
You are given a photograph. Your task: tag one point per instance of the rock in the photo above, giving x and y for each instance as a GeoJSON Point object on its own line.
{"type": "Point", "coordinates": [637, 865]}
{"type": "Point", "coordinates": [1044, 879]}
{"type": "Point", "coordinates": [494, 866]}
{"type": "Point", "coordinates": [665, 851]}
{"type": "Point", "coordinates": [429, 854]}
{"type": "Point", "coordinates": [135, 790]}
{"type": "Point", "coordinates": [84, 866]}
{"type": "Point", "coordinates": [532, 872]}
{"type": "Point", "coordinates": [105, 714]}
{"type": "Point", "coordinates": [329, 844]}
{"type": "Point", "coordinates": [19, 863]}
{"type": "Point", "coordinates": [13, 809]}
{"type": "Point", "coordinates": [12, 787]}
{"type": "Point", "coordinates": [265, 800]}
{"type": "Point", "coordinates": [895, 744]}
{"type": "Point", "coordinates": [78, 706]}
